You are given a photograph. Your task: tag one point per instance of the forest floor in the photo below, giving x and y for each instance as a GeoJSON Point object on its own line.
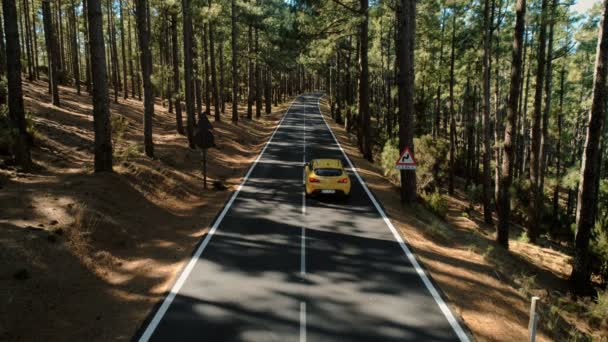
{"type": "Point", "coordinates": [85, 257]}
{"type": "Point", "coordinates": [489, 288]}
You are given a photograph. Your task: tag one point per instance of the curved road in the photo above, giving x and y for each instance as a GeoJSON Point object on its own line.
{"type": "Point", "coordinates": [280, 267]}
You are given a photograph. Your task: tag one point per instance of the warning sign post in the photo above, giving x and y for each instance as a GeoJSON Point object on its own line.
{"type": "Point", "coordinates": [406, 160]}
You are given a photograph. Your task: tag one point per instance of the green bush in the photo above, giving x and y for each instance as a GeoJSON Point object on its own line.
{"type": "Point", "coordinates": [390, 153]}
{"type": "Point", "coordinates": [119, 127]}
{"type": "Point", "coordinates": [436, 203]}
{"type": "Point", "coordinates": [599, 309]}
{"type": "Point", "coordinates": [432, 158]}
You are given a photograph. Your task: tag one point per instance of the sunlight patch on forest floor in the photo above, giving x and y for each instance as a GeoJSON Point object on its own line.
{"type": "Point", "coordinates": [84, 256]}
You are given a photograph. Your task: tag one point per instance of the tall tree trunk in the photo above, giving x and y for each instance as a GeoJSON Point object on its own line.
{"type": "Point", "coordinates": [59, 31]}
{"type": "Point", "coordinates": [365, 121]}
{"type": "Point", "coordinates": [176, 82]}
{"type": "Point", "coordinates": [75, 49]}
{"type": "Point", "coordinates": [250, 80]}
{"type": "Point", "coordinates": [504, 201]}
{"type": "Point", "coordinates": [452, 110]}
{"type": "Point", "coordinates": [268, 90]}
{"type": "Point", "coordinates": [28, 40]}
{"type": "Point", "coordinates": [205, 64]}
{"type": "Point", "coordinates": [142, 17]}
{"type": "Point", "coordinates": [214, 92]}
{"type": "Point", "coordinates": [51, 48]}
{"type": "Point", "coordinates": [101, 108]}
{"type": "Point", "coordinates": [558, 153]}
{"type": "Point", "coordinates": [35, 39]}
{"type": "Point", "coordinates": [87, 48]}
{"type": "Point", "coordinates": [258, 78]}
{"type": "Point", "coordinates": [16, 109]}
{"type": "Point", "coordinates": [188, 75]}
{"type": "Point", "coordinates": [586, 210]}
{"type": "Point", "coordinates": [3, 54]}
{"type": "Point", "coordinates": [124, 53]}
{"type": "Point", "coordinates": [547, 110]}
{"type": "Point", "coordinates": [113, 52]}
{"type": "Point", "coordinates": [131, 69]}
{"type": "Point", "coordinates": [235, 81]}
{"type": "Point", "coordinates": [406, 31]}
{"type": "Point", "coordinates": [222, 86]}
{"type": "Point", "coordinates": [487, 148]}
{"type": "Point", "coordinates": [536, 193]}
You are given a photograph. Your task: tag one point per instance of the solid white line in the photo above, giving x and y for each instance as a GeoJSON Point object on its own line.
{"type": "Point", "coordinates": [188, 269]}
{"type": "Point", "coordinates": [302, 322]}
{"type": "Point", "coordinates": [303, 234]}
{"type": "Point", "coordinates": [425, 279]}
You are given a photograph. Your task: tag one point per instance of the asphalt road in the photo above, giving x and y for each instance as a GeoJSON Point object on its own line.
{"type": "Point", "coordinates": [280, 267]}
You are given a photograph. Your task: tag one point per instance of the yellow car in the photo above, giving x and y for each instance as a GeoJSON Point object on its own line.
{"type": "Point", "coordinates": [326, 176]}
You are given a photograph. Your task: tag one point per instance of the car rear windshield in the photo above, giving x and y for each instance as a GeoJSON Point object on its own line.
{"type": "Point", "coordinates": [328, 172]}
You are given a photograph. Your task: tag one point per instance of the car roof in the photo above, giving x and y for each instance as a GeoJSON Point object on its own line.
{"type": "Point", "coordinates": [327, 163]}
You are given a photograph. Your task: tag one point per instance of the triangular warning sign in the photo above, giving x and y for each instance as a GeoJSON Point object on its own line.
{"type": "Point", "coordinates": [406, 160]}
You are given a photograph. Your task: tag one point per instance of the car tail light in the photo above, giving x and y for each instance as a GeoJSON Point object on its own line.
{"type": "Point", "coordinates": [314, 180]}
{"type": "Point", "coordinates": [343, 180]}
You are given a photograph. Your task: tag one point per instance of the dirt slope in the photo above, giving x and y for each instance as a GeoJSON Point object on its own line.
{"type": "Point", "coordinates": [85, 257]}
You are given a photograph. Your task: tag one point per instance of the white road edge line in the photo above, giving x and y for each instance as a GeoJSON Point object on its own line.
{"type": "Point", "coordinates": [188, 269]}
{"type": "Point", "coordinates": [425, 279]}
{"type": "Point", "coordinates": [302, 321]}
{"type": "Point", "coordinates": [303, 235]}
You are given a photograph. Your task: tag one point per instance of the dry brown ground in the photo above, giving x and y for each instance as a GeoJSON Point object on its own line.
{"type": "Point", "coordinates": [85, 257]}
{"type": "Point", "coordinates": [487, 287]}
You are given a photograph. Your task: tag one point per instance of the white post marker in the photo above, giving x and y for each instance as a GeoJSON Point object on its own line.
{"type": "Point", "coordinates": [533, 319]}
{"type": "Point", "coordinates": [406, 160]}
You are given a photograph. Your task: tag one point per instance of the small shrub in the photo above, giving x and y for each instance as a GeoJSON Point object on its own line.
{"type": "Point", "coordinates": [436, 203]}
{"type": "Point", "coordinates": [432, 158]}
{"type": "Point", "coordinates": [119, 127]}
{"type": "Point", "coordinates": [125, 154]}
{"type": "Point", "coordinates": [523, 237]}
{"type": "Point", "coordinates": [390, 153]}
{"type": "Point", "coordinates": [599, 309]}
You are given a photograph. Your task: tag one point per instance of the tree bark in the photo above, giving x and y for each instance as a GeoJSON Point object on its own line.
{"type": "Point", "coordinates": [586, 210]}
{"type": "Point", "coordinates": [16, 109]}
{"type": "Point", "coordinates": [222, 85]}
{"type": "Point", "coordinates": [452, 110]}
{"type": "Point", "coordinates": [124, 53]}
{"type": "Point", "coordinates": [250, 90]}
{"type": "Point", "coordinates": [188, 75]}
{"type": "Point", "coordinates": [406, 31]}
{"type": "Point", "coordinates": [536, 193]}
{"type": "Point", "coordinates": [101, 108]}
{"type": "Point", "coordinates": [2, 54]}
{"type": "Point", "coordinates": [504, 201]}
{"type": "Point", "coordinates": [75, 49]}
{"type": "Point", "coordinates": [52, 53]}
{"type": "Point", "coordinates": [558, 152]}
{"type": "Point", "coordinates": [176, 83]}
{"type": "Point", "coordinates": [142, 17]}
{"type": "Point", "coordinates": [487, 148]}
{"type": "Point", "coordinates": [258, 78]}
{"type": "Point", "coordinates": [214, 91]}
{"type": "Point", "coordinates": [365, 121]}
{"type": "Point", "coordinates": [234, 33]}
